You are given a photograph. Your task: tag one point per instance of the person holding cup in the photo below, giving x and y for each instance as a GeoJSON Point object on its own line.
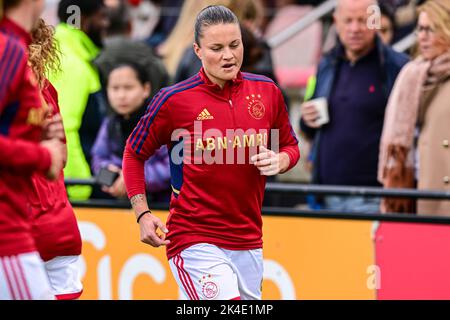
{"type": "Point", "coordinates": [345, 117]}
{"type": "Point", "coordinates": [415, 144]}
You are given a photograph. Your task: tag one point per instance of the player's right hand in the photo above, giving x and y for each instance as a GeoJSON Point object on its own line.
{"type": "Point", "coordinates": [310, 114]}
{"type": "Point", "coordinates": [149, 224]}
{"type": "Point", "coordinates": [56, 149]}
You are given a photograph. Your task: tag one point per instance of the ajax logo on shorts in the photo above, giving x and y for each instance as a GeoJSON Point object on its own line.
{"type": "Point", "coordinates": [210, 289]}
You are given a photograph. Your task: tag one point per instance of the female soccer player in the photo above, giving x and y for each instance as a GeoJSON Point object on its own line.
{"type": "Point", "coordinates": [55, 228]}
{"type": "Point", "coordinates": [22, 275]}
{"type": "Point", "coordinates": [217, 126]}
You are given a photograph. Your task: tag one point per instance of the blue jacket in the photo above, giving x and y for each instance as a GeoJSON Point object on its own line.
{"type": "Point", "coordinates": [391, 63]}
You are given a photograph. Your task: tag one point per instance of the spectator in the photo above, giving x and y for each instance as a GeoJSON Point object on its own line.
{"type": "Point", "coordinates": [22, 112]}
{"type": "Point", "coordinates": [388, 26]}
{"type": "Point", "coordinates": [257, 58]}
{"type": "Point", "coordinates": [405, 16]}
{"type": "Point", "coordinates": [120, 24]}
{"type": "Point", "coordinates": [119, 47]}
{"type": "Point", "coordinates": [418, 113]}
{"type": "Point", "coordinates": [250, 14]}
{"type": "Point", "coordinates": [182, 35]}
{"type": "Point", "coordinates": [128, 88]}
{"type": "Point", "coordinates": [78, 85]}
{"type": "Point", "coordinates": [55, 228]}
{"type": "Point", "coordinates": [386, 31]}
{"type": "Point", "coordinates": [356, 78]}
{"type": "Point", "coordinates": [169, 16]}
{"type": "Point", "coordinates": [145, 16]}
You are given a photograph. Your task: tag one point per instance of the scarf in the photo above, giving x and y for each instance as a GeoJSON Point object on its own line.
{"type": "Point", "coordinates": [401, 114]}
{"type": "Point", "coordinates": [438, 73]}
{"type": "Point", "coordinates": [413, 91]}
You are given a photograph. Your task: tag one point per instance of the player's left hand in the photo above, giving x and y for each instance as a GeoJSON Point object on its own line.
{"type": "Point", "coordinates": [269, 162]}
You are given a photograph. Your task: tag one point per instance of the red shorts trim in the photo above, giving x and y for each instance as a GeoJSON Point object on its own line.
{"type": "Point", "coordinates": [69, 296]}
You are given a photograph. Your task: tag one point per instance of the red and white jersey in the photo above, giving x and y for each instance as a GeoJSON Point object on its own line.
{"type": "Point", "coordinates": [55, 228]}
{"type": "Point", "coordinates": [22, 113]}
{"type": "Point", "coordinates": [217, 193]}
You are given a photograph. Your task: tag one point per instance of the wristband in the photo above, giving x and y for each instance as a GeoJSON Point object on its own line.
{"type": "Point", "coordinates": [140, 216]}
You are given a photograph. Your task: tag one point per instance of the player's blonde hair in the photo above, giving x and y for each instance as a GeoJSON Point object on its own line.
{"type": "Point", "coordinates": [44, 55]}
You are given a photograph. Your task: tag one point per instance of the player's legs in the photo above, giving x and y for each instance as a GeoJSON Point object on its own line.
{"type": "Point", "coordinates": [248, 266]}
{"type": "Point", "coordinates": [22, 277]}
{"type": "Point", "coordinates": [65, 277]}
{"type": "Point", "coordinates": [203, 271]}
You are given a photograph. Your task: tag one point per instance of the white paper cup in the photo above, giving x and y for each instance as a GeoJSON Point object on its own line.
{"type": "Point", "coordinates": [321, 105]}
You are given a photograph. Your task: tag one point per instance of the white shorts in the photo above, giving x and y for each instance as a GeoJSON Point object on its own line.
{"type": "Point", "coordinates": [205, 271]}
{"type": "Point", "coordinates": [65, 277]}
{"type": "Point", "coordinates": [23, 277]}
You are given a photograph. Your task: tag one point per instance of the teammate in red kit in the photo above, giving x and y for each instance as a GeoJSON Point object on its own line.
{"type": "Point", "coordinates": [22, 275]}
{"type": "Point", "coordinates": [217, 126]}
{"type": "Point", "coordinates": [55, 228]}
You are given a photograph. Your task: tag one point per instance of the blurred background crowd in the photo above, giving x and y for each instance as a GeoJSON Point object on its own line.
{"type": "Point", "coordinates": [387, 98]}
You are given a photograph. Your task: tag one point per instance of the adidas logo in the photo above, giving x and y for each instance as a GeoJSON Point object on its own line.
{"type": "Point", "coordinates": [205, 115]}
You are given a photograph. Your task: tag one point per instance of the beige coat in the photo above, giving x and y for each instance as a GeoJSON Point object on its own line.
{"type": "Point", "coordinates": [434, 152]}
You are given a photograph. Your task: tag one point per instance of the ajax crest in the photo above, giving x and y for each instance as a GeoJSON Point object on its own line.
{"type": "Point", "coordinates": [255, 106]}
{"type": "Point", "coordinates": [210, 289]}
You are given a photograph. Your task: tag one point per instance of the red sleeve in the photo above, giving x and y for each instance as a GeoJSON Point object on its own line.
{"type": "Point", "coordinates": [11, 53]}
{"type": "Point", "coordinates": [23, 156]}
{"type": "Point", "coordinates": [51, 97]}
{"type": "Point", "coordinates": [133, 173]}
{"type": "Point", "coordinates": [18, 155]}
{"type": "Point", "coordinates": [153, 130]}
{"type": "Point", "coordinates": [288, 141]}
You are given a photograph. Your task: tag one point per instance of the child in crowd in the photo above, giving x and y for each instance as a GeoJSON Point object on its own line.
{"type": "Point", "coordinates": [128, 89]}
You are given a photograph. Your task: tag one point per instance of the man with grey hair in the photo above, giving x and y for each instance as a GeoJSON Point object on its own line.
{"type": "Point", "coordinates": [356, 78]}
